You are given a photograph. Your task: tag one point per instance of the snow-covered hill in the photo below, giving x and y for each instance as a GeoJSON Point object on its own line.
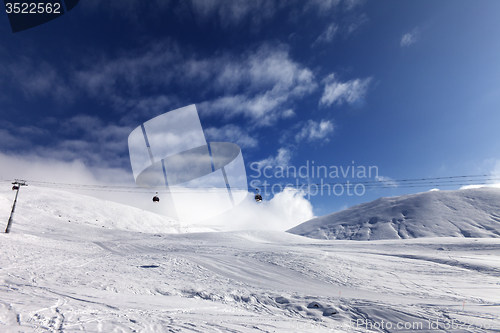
{"type": "Point", "coordinates": [60, 209]}
{"type": "Point", "coordinates": [77, 264]}
{"type": "Point", "coordinates": [460, 213]}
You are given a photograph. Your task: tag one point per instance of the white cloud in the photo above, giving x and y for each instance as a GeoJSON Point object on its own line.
{"type": "Point", "coordinates": [495, 175]}
{"type": "Point", "coordinates": [121, 81]}
{"type": "Point", "coordinates": [254, 13]}
{"type": "Point", "coordinates": [388, 181]}
{"type": "Point", "coordinates": [261, 85]}
{"type": "Point", "coordinates": [314, 131]}
{"type": "Point", "coordinates": [282, 158]}
{"type": "Point", "coordinates": [480, 186]}
{"type": "Point", "coordinates": [133, 10]}
{"type": "Point", "coordinates": [143, 107]}
{"type": "Point", "coordinates": [227, 13]}
{"type": "Point", "coordinates": [230, 133]}
{"type": "Point", "coordinates": [351, 4]}
{"type": "Point", "coordinates": [357, 23]}
{"type": "Point", "coordinates": [466, 187]}
{"type": "Point", "coordinates": [37, 79]}
{"type": "Point", "coordinates": [410, 38]}
{"type": "Point", "coordinates": [284, 211]}
{"type": "Point", "coordinates": [288, 114]}
{"type": "Point", "coordinates": [324, 7]}
{"type": "Point", "coordinates": [34, 167]}
{"type": "Point", "coordinates": [343, 207]}
{"type": "Point", "coordinates": [98, 144]}
{"type": "Point", "coordinates": [344, 27]}
{"type": "Point", "coordinates": [234, 12]}
{"type": "Point", "coordinates": [271, 80]}
{"type": "Point", "coordinates": [10, 141]}
{"type": "Point", "coordinates": [496, 169]}
{"type": "Point", "coordinates": [327, 35]}
{"type": "Point", "coordinates": [349, 92]}
{"type": "Point", "coordinates": [154, 65]}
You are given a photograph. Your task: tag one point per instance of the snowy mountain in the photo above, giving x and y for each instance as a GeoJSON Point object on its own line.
{"type": "Point", "coordinates": [460, 213]}
{"type": "Point", "coordinates": [73, 263]}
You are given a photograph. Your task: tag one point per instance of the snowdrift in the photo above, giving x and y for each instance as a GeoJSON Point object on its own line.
{"type": "Point", "coordinates": [459, 213]}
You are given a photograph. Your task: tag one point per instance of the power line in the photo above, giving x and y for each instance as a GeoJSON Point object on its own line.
{"type": "Point", "coordinates": [365, 182]}
{"type": "Point", "coordinates": [398, 183]}
{"type": "Point", "coordinates": [384, 182]}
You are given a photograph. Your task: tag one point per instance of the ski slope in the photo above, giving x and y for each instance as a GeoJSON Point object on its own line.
{"type": "Point", "coordinates": [459, 213]}
{"type": "Point", "coordinates": [130, 271]}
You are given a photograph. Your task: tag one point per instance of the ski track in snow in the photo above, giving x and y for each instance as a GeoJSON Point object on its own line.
{"type": "Point", "coordinates": [77, 276]}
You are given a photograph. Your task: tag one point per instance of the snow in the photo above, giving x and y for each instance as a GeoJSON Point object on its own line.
{"type": "Point", "coordinates": [53, 205]}
{"type": "Point", "coordinates": [460, 213]}
{"type": "Point", "coordinates": [131, 271]}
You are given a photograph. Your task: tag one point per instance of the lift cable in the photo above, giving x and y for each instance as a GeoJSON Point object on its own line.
{"type": "Point", "coordinates": [398, 183]}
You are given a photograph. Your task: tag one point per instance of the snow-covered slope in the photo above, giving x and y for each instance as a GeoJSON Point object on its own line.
{"type": "Point", "coordinates": [460, 213]}
{"type": "Point", "coordinates": [70, 274]}
{"type": "Point", "coordinates": [62, 208]}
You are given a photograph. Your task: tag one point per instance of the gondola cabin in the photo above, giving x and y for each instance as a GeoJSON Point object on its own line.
{"type": "Point", "coordinates": [258, 197]}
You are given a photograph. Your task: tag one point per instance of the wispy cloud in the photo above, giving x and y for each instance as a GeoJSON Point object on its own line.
{"type": "Point", "coordinates": [270, 79]}
{"type": "Point", "coordinates": [324, 7]}
{"type": "Point", "coordinates": [231, 133]}
{"type": "Point", "coordinates": [10, 141]}
{"type": "Point", "coordinates": [410, 37]}
{"type": "Point", "coordinates": [234, 12]}
{"type": "Point", "coordinates": [327, 35]}
{"type": "Point", "coordinates": [288, 114]}
{"type": "Point", "coordinates": [315, 131]}
{"type": "Point", "coordinates": [351, 4]}
{"type": "Point", "coordinates": [32, 166]}
{"type": "Point", "coordinates": [272, 82]}
{"type": "Point", "coordinates": [79, 138]}
{"type": "Point", "coordinates": [132, 10]}
{"type": "Point", "coordinates": [138, 108]}
{"type": "Point", "coordinates": [131, 71]}
{"type": "Point", "coordinates": [388, 181]}
{"type": "Point", "coordinates": [37, 79]}
{"type": "Point", "coordinates": [282, 158]}
{"type": "Point", "coordinates": [262, 84]}
{"type": "Point", "coordinates": [256, 12]}
{"type": "Point", "coordinates": [227, 13]}
{"type": "Point", "coordinates": [356, 23]}
{"type": "Point", "coordinates": [494, 174]}
{"type": "Point", "coordinates": [337, 92]}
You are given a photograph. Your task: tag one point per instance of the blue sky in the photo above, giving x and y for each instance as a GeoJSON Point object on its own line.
{"type": "Point", "coordinates": [411, 87]}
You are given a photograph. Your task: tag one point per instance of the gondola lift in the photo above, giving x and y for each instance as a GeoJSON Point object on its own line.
{"type": "Point", "coordinates": [156, 198]}
{"type": "Point", "coordinates": [258, 197]}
